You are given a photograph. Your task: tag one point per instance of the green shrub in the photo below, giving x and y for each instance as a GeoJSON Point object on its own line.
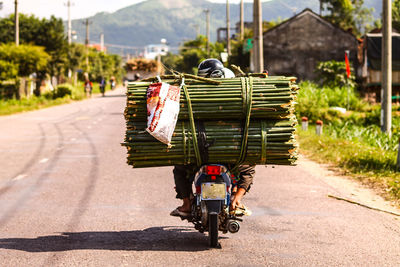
{"type": "Point", "coordinates": [63, 90]}
{"type": "Point", "coordinates": [333, 73]}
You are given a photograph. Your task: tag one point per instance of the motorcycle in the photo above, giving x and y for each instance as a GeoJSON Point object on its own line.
{"type": "Point", "coordinates": [210, 208]}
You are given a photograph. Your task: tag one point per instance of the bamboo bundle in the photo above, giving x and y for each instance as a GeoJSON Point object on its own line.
{"type": "Point", "coordinates": [269, 142]}
{"type": "Point", "coordinates": [272, 98]}
{"type": "Point", "coordinates": [244, 120]}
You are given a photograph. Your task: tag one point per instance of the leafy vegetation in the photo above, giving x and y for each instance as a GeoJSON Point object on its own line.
{"type": "Point", "coordinates": [191, 54]}
{"type": "Point", "coordinates": [333, 73]}
{"type": "Point", "coordinates": [316, 102]}
{"type": "Point", "coordinates": [62, 94]}
{"type": "Point", "coordinates": [367, 163]}
{"type": "Point", "coordinates": [349, 14]}
{"type": "Point", "coordinates": [27, 58]}
{"type": "Point", "coordinates": [44, 54]}
{"type": "Point", "coordinates": [353, 140]}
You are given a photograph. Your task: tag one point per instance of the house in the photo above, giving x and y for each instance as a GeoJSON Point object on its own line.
{"type": "Point", "coordinates": [294, 47]}
{"type": "Point", "coordinates": [371, 66]}
{"type": "Point", "coordinates": [153, 50]}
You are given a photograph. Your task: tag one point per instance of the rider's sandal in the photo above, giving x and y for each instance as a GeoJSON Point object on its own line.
{"type": "Point", "coordinates": [178, 213]}
{"type": "Point", "coordinates": [242, 210]}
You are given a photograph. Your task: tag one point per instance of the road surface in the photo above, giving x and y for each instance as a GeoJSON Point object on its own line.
{"type": "Point", "coordinates": [68, 198]}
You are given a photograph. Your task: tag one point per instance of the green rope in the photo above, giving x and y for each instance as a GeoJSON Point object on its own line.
{"type": "Point", "coordinates": [185, 161]}
{"type": "Point", "coordinates": [263, 142]}
{"type": "Point", "coordinates": [192, 126]}
{"type": "Point", "coordinates": [249, 98]}
{"type": "Point", "coordinates": [244, 93]}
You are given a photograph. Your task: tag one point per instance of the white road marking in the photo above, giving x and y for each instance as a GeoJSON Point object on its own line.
{"type": "Point", "coordinates": [89, 127]}
{"type": "Point", "coordinates": [19, 177]}
{"type": "Point", "coordinates": [44, 160]}
{"type": "Point", "coordinates": [73, 139]}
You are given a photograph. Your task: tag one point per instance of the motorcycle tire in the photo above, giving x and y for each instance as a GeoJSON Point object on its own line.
{"type": "Point", "coordinates": [213, 229]}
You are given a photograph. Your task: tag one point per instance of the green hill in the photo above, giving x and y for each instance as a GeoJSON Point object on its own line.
{"type": "Point", "coordinates": [149, 21]}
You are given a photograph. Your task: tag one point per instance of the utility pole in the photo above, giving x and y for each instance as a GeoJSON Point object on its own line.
{"type": "Point", "coordinates": [207, 11]}
{"type": "Point", "coordinates": [87, 23]}
{"type": "Point", "coordinates": [102, 42]}
{"type": "Point", "coordinates": [69, 32]}
{"type": "Point", "coordinates": [242, 20]}
{"type": "Point", "coordinates": [228, 30]}
{"type": "Point", "coordinates": [16, 24]}
{"type": "Point", "coordinates": [386, 106]}
{"type": "Point", "coordinates": [69, 4]}
{"type": "Point", "coordinates": [258, 37]}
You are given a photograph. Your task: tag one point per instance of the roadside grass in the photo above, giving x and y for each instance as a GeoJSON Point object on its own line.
{"type": "Point", "coordinates": [369, 164]}
{"type": "Point", "coordinates": [351, 141]}
{"type": "Point", "coordinates": [12, 106]}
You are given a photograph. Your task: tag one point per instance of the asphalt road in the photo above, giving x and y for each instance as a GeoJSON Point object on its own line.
{"type": "Point", "coordinates": [68, 198]}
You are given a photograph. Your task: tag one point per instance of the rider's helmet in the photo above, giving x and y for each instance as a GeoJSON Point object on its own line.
{"type": "Point", "coordinates": [210, 68]}
{"type": "Point", "coordinates": [213, 68]}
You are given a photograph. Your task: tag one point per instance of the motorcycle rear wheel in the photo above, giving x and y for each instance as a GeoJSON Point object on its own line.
{"type": "Point", "coordinates": [213, 229]}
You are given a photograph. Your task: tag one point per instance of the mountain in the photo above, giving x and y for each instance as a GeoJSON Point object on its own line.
{"type": "Point", "coordinates": [147, 22]}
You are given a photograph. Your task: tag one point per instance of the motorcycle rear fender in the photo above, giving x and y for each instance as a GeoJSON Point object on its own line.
{"type": "Point", "coordinates": [214, 206]}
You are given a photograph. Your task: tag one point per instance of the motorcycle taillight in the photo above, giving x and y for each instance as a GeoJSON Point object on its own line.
{"type": "Point", "coordinates": [213, 170]}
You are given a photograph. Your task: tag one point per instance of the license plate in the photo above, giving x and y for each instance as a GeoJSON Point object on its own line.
{"type": "Point", "coordinates": [213, 191]}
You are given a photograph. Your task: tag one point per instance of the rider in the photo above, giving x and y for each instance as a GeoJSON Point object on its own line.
{"type": "Point", "coordinates": [184, 174]}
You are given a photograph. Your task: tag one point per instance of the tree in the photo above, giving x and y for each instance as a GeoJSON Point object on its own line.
{"type": "Point", "coordinates": [333, 74]}
{"type": "Point", "coordinates": [348, 14]}
{"type": "Point", "coordinates": [29, 59]}
{"type": "Point", "coordinates": [76, 54]}
{"type": "Point", "coordinates": [102, 65]}
{"type": "Point", "coordinates": [48, 33]}
{"type": "Point", "coordinates": [21, 60]}
{"type": "Point", "coordinates": [191, 53]}
{"type": "Point", "coordinates": [8, 70]}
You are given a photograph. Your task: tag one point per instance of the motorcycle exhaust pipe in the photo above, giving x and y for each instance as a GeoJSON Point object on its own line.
{"type": "Point", "coordinates": [233, 226]}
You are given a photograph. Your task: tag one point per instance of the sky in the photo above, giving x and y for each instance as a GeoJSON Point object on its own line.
{"type": "Point", "coordinates": [79, 8]}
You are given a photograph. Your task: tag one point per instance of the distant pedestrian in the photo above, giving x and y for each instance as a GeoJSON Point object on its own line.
{"type": "Point", "coordinates": [88, 88]}
{"type": "Point", "coordinates": [102, 86]}
{"type": "Point", "coordinates": [112, 82]}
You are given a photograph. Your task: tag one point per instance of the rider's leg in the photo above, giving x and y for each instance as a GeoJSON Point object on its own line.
{"type": "Point", "coordinates": [183, 176]}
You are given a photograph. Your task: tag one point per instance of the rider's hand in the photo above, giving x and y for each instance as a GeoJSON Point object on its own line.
{"type": "Point", "coordinates": [237, 198]}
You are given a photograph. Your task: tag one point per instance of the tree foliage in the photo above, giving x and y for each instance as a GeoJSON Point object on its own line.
{"type": "Point", "coordinates": [48, 33]}
{"type": "Point", "coordinates": [191, 54]}
{"type": "Point", "coordinates": [8, 70]}
{"type": "Point", "coordinates": [102, 65]}
{"type": "Point", "coordinates": [349, 15]}
{"type": "Point", "coordinates": [28, 58]}
{"type": "Point", "coordinates": [333, 74]}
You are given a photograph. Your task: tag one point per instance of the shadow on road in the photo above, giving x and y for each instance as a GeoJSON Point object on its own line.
{"type": "Point", "coordinates": [168, 238]}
